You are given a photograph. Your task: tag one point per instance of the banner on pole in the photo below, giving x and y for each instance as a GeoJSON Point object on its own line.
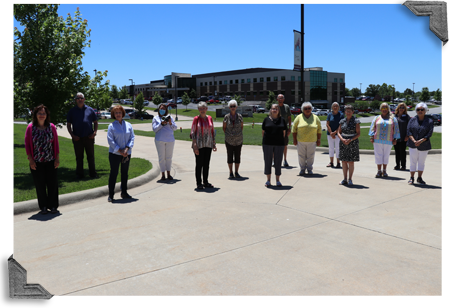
{"type": "Point", "coordinates": [297, 50]}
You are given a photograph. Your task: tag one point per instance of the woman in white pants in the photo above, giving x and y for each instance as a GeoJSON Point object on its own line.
{"type": "Point", "coordinates": [419, 131]}
{"type": "Point", "coordinates": [164, 126]}
{"type": "Point", "coordinates": [333, 123]}
{"type": "Point", "coordinates": [383, 134]}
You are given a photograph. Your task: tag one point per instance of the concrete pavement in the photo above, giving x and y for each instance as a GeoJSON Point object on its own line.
{"type": "Point", "coordinates": [309, 237]}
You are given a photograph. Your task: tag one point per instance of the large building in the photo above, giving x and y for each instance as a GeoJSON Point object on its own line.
{"type": "Point", "coordinates": [322, 88]}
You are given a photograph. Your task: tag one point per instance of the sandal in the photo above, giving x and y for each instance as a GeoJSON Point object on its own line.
{"type": "Point", "coordinates": [384, 174]}
{"type": "Point", "coordinates": [278, 184]}
{"type": "Point", "coordinates": [330, 165]}
{"type": "Point", "coordinates": [267, 184]}
{"type": "Point", "coordinates": [379, 174]}
{"type": "Point", "coordinates": [411, 181]}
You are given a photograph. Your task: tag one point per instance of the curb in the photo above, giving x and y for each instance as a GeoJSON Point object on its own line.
{"type": "Point", "coordinates": [78, 196]}
{"type": "Point", "coordinates": [369, 152]}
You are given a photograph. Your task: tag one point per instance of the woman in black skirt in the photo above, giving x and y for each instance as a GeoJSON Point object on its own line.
{"type": "Point", "coordinates": [349, 132]}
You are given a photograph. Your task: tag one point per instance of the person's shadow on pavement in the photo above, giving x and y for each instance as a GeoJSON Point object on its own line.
{"type": "Point", "coordinates": [44, 217]}
{"type": "Point", "coordinates": [125, 200]}
{"type": "Point", "coordinates": [207, 190]}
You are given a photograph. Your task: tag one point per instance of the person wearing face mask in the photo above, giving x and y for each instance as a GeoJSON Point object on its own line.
{"type": "Point", "coordinates": [164, 126]}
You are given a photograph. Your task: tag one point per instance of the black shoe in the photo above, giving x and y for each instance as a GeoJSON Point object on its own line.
{"type": "Point", "coordinates": [54, 210]}
{"type": "Point", "coordinates": [125, 195]}
{"type": "Point", "coordinates": [396, 168]}
{"type": "Point", "coordinates": [169, 178]}
{"type": "Point", "coordinates": [163, 178]}
{"type": "Point", "coordinates": [110, 198]}
{"type": "Point", "coordinates": [338, 165]}
{"type": "Point", "coordinates": [44, 211]}
{"type": "Point", "coordinates": [237, 175]}
{"type": "Point", "coordinates": [200, 187]}
{"type": "Point", "coordinates": [231, 175]}
{"type": "Point", "coordinates": [403, 169]}
{"type": "Point", "coordinates": [420, 181]}
{"type": "Point", "coordinates": [208, 185]}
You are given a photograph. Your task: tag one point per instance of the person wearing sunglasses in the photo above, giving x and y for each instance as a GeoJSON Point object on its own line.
{"type": "Point", "coordinates": [383, 134]}
{"type": "Point", "coordinates": [79, 124]}
{"type": "Point", "coordinates": [120, 139]}
{"type": "Point", "coordinates": [233, 130]}
{"type": "Point", "coordinates": [306, 131]}
{"type": "Point", "coordinates": [419, 131]}
{"type": "Point", "coordinates": [403, 118]}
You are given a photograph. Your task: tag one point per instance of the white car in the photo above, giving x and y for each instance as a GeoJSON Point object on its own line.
{"type": "Point", "coordinates": [126, 117]}
{"type": "Point", "coordinates": [322, 112]}
{"type": "Point", "coordinates": [315, 111]}
{"type": "Point", "coordinates": [105, 115]}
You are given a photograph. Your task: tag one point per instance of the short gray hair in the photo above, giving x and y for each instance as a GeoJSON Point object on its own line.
{"type": "Point", "coordinates": [423, 105]}
{"type": "Point", "coordinates": [202, 104]}
{"type": "Point", "coordinates": [232, 102]}
{"type": "Point", "coordinates": [80, 94]}
{"type": "Point", "coordinates": [336, 103]}
{"type": "Point", "coordinates": [306, 104]}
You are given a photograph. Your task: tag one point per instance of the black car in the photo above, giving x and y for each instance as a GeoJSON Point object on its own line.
{"type": "Point", "coordinates": [436, 119]}
{"type": "Point", "coordinates": [137, 115]}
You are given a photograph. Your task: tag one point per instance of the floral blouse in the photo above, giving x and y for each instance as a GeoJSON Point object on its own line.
{"type": "Point", "coordinates": [234, 129]}
{"type": "Point", "coordinates": [202, 132]}
{"type": "Point", "coordinates": [42, 144]}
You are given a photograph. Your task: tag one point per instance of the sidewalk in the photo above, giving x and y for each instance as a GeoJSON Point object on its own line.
{"type": "Point", "coordinates": [310, 237]}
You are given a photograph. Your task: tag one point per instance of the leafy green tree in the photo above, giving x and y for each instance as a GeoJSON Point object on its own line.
{"type": "Point", "coordinates": [123, 93]}
{"type": "Point", "coordinates": [96, 92]}
{"type": "Point", "coordinates": [408, 99]}
{"type": "Point", "coordinates": [438, 95]}
{"type": "Point", "coordinates": [347, 92]}
{"type": "Point", "coordinates": [375, 104]}
{"type": "Point", "coordinates": [238, 99]}
{"type": "Point", "coordinates": [271, 100]}
{"type": "Point", "coordinates": [355, 92]}
{"type": "Point", "coordinates": [383, 90]}
{"type": "Point", "coordinates": [114, 92]}
{"type": "Point", "coordinates": [372, 90]}
{"type": "Point", "coordinates": [157, 99]}
{"type": "Point", "coordinates": [192, 93]}
{"type": "Point", "coordinates": [425, 95]}
{"type": "Point", "coordinates": [408, 91]}
{"type": "Point", "coordinates": [185, 99]}
{"type": "Point", "coordinates": [362, 105]}
{"type": "Point", "coordinates": [139, 102]}
{"type": "Point", "coordinates": [48, 59]}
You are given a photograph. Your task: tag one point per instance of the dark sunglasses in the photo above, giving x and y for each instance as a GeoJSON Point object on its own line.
{"type": "Point", "coordinates": [420, 109]}
{"type": "Point", "coordinates": [80, 98]}
{"type": "Point", "coordinates": [307, 108]}
{"type": "Point", "coordinates": [232, 106]}
{"type": "Point", "coordinates": [401, 107]}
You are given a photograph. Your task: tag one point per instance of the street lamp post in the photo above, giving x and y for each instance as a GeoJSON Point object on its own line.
{"type": "Point", "coordinates": [393, 93]}
{"type": "Point", "coordinates": [360, 88]}
{"type": "Point", "coordinates": [413, 91]}
{"type": "Point", "coordinates": [176, 97]}
{"type": "Point", "coordinates": [95, 75]}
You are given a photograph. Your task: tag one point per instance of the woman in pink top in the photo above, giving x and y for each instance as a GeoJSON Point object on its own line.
{"type": "Point", "coordinates": [42, 148]}
{"type": "Point", "coordinates": [203, 142]}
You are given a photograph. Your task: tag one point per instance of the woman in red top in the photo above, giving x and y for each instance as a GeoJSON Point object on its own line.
{"type": "Point", "coordinates": [42, 148]}
{"type": "Point", "coordinates": [203, 141]}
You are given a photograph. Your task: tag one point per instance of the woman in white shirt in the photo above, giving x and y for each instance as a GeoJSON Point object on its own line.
{"type": "Point", "coordinates": [164, 126]}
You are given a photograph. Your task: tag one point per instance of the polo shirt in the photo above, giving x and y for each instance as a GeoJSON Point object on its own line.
{"type": "Point", "coordinates": [307, 128]}
{"type": "Point", "coordinates": [82, 119]}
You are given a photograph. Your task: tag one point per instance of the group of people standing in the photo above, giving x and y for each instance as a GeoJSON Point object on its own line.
{"type": "Point", "coordinates": [343, 131]}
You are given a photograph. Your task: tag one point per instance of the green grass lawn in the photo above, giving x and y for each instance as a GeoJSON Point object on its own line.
{"type": "Point", "coordinates": [253, 136]}
{"type": "Point", "coordinates": [24, 188]}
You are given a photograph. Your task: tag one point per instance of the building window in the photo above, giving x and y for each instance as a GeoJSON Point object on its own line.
{"type": "Point", "coordinates": [299, 92]}
{"type": "Point", "coordinates": [283, 78]}
{"type": "Point", "coordinates": [261, 79]}
{"type": "Point", "coordinates": [275, 78]}
{"type": "Point", "coordinates": [335, 79]}
{"type": "Point", "coordinates": [335, 92]}
{"type": "Point", "coordinates": [242, 80]}
{"type": "Point", "coordinates": [299, 78]}
{"type": "Point", "coordinates": [206, 83]}
{"type": "Point", "coordinates": [249, 80]}
{"type": "Point", "coordinates": [261, 93]}
{"type": "Point", "coordinates": [268, 78]}
{"type": "Point", "coordinates": [255, 79]}
{"type": "Point", "coordinates": [236, 80]}
{"type": "Point", "coordinates": [201, 84]}
{"type": "Point", "coordinates": [225, 81]}
{"type": "Point", "coordinates": [276, 93]}
{"type": "Point", "coordinates": [341, 79]}
{"type": "Point", "coordinates": [254, 93]}
{"type": "Point", "coordinates": [231, 81]}
{"type": "Point", "coordinates": [292, 92]}
{"type": "Point", "coordinates": [220, 81]}
{"type": "Point", "coordinates": [210, 83]}
{"type": "Point", "coordinates": [248, 93]}
{"type": "Point", "coordinates": [292, 78]}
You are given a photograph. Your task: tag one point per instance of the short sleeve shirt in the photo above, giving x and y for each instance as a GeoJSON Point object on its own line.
{"type": "Point", "coordinates": [82, 119]}
{"type": "Point", "coordinates": [285, 112]}
{"type": "Point", "coordinates": [334, 120]}
{"type": "Point", "coordinates": [307, 128]}
{"type": "Point", "coordinates": [273, 131]}
{"type": "Point", "coordinates": [234, 129]}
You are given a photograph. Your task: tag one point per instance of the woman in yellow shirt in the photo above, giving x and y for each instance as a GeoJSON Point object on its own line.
{"type": "Point", "coordinates": [306, 132]}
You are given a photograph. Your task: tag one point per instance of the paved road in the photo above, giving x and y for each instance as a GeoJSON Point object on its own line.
{"type": "Point", "coordinates": [310, 237]}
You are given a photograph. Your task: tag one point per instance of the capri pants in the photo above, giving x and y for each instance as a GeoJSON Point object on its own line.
{"type": "Point", "coordinates": [333, 146]}
{"type": "Point", "coordinates": [417, 160]}
{"type": "Point", "coordinates": [381, 153]}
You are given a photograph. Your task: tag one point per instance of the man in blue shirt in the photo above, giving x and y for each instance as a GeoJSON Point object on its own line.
{"type": "Point", "coordinates": [79, 125]}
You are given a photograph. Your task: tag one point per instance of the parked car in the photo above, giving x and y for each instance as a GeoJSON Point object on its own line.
{"type": "Point", "coordinates": [172, 105]}
{"type": "Point", "coordinates": [436, 118]}
{"type": "Point", "coordinates": [146, 103]}
{"type": "Point", "coordinates": [179, 101]}
{"type": "Point", "coordinates": [295, 110]}
{"type": "Point", "coordinates": [367, 110]}
{"type": "Point", "coordinates": [29, 114]}
{"type": "Point", "coordinates": [213, 101]}
{"type": "Point", "coordinates": [126, 102]}
{"type": "Point", "coordinates": [227, 98]}
{"type": "Point", "coordinates": [202, 99]}
{"type": "Point", "coordinates": [258, 109]}
{"type": "Point", "coordinates": [315, 110]}
{"type": "Point", "coordinates": [322, 112]}
{"type": "Point", "coordinates": [105, 115]}
{"type": "Point", "coordinates": [171, 100]}
{"type": "Point", "coordinates": [137, 115]}
{"type": "Point", "coordinates": [126, 117]}
{"type": "Point", "coordinates": [97, 113]}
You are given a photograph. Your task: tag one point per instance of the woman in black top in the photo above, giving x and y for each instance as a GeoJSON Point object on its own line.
{"type": "Point", "coordinates": [419, 131]}
{"type": "Point", "coordinates": [400, 147]}
{"type": "Point", "coordinates": [273, 132]}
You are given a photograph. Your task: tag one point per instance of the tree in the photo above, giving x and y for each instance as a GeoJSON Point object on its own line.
{"type": "Point", "coordinates": [157, 99]}
{"type": "Point", "coordinates": [48, 59]}
{"type": "Point", "coordinates": [271, 100]}
{"type": "Point", "coordinates": [139, 102]}
{"type": "Point", "coordinates": [384, 90]}
{"type": "Point", "coordinates": [123, 93]}
{"type": "Point", "coordinates": [97, 91]}
{"type": "Point", "coordinates": [185, 99]}
{"type": "Point", "coordinates": [372, 90]}
{"type": "Point", "coordinates": [193, 94]}
{"type": "Point", "coordinates": [355, 92]}
{"type": "Point", "coordinates": [425, 95]}
{"type": "Point", "coordinates": [238, 99]}
{"type": "Point", "coordinates": [114, 92]}
{"type": "Point", "coordinates": [408, 91]}
{"type": "Point", "coordinates": [375, 105]}
{"type": "Point", "coordinates": [437, 95]}
{"type": "Point", "coordinates": [347, 92]}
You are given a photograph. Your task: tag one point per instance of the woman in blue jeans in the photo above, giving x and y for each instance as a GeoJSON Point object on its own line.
{"type": "Point", "coordinates": [120, 140]}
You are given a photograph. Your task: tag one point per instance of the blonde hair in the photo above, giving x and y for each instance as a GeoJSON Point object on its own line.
{"type": "Point", "coordinates": [279, 110]}
{"type": "Point", "coordinates": [397, 110]}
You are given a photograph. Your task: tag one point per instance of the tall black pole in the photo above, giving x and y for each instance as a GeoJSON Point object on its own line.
{"type": "Point", "coordinates": [302, 52]}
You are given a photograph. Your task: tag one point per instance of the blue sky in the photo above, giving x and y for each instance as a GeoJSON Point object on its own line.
{"type": "Point", "coordinates": [370, 43]}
